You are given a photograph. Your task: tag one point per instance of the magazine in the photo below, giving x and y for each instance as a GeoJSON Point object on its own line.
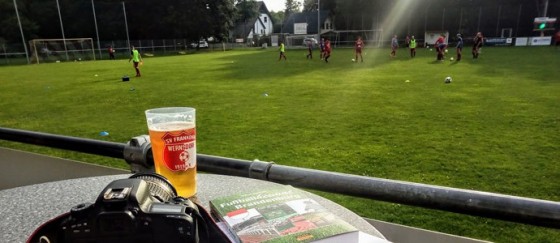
{"type": "Point", "coordinates": [277, 214]}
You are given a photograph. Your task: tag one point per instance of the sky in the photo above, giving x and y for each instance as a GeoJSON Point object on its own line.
{"type": "Point", "coordinates": [275, 5]}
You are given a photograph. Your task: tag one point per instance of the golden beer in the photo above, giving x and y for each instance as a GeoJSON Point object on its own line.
{"type": "Point", "coordinates": [174, 149]}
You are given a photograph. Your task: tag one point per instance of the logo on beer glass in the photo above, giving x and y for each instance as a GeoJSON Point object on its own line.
{"type": "Point", "coordinates": [179, 152]}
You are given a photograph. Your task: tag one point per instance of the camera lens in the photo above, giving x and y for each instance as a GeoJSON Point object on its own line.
{"type": "Point", "coordinates": [158, 185]}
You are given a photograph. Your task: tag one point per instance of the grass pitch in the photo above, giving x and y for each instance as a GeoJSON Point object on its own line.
{"type": "Point", "coordinates": [495, 128]}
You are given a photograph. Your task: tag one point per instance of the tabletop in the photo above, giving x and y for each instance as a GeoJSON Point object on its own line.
{"type": "Point", "coordinates": [23, 209]}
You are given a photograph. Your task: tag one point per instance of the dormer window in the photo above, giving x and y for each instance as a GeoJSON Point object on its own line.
{"type": "Point", "coordinates": [265, 19]}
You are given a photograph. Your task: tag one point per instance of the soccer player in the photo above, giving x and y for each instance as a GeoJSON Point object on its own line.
{"type": "Point", "coordinates": [557, 39]}
{"type": "Point", "coordinates": [394, 46]}
{"type": "Point", "coordinates": [440, 47]}
{"type": "Point", "coordinates": [327, 50]}
{"type": "Point", "coordinates": [282, 51]}
{"type": "Point", "coordinates": [407, 41]}
{"type": "Point", "coordinates": [358, 46]}
{"type": "Point", "coordinates": [111, 53]}
{"type": "Point", "coordinates": [477, 45]}
{"type": "Point", "coordinates": [309, 49]}
{"type": "Point", "coordinates": [412, 46]}
{"type": "Point", "coordinates": [136, 59]}
{"type": "Point", "coordinates": [459, 46]}
{"type": "Point", "coordinates": [322, 46]}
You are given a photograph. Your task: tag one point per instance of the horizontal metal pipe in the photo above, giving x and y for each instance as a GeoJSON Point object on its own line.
{"type": "Point", "coordinates": [84, 145]}
{"type": "Point", "coordinates": [490, 205]}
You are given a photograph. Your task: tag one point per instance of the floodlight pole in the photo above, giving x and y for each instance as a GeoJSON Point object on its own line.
{"type": "Point", "coordinates": [62, 28]}
{"type": "Point", "coordinates": [498, 22]}
{"type": "Point", "coordinates": [479, 14]}
{"type": "Point", "coordinates": [461, 22]}
{"type": "Point", "coordinates": [443, 20]}
{"type": "Point", "coordinates": [21, 30]}
{"type": "Point", "coordinates": [126, 26]}
{"type": "Point", "coordinates": [96, 31]}
{"type": "Point", "coordinates": [318, 20]}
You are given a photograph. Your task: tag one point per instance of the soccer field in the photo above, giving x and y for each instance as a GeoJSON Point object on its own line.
{"type": "Point", "coordinates": [495, 127]}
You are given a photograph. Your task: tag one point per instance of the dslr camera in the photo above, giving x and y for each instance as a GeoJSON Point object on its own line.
{"type": "Point", "coordinates": [144, 208]}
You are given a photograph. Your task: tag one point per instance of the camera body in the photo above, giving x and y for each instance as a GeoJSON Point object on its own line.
{"type": "Point", "coordinates": [128, 211]}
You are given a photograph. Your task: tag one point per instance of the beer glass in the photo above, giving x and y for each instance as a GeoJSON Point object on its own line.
{"type": "Point", "coordinates": [173, 139]}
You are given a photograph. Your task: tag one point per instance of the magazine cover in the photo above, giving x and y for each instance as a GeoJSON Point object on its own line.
{"type": "Point", "coordinates": [279, 214]}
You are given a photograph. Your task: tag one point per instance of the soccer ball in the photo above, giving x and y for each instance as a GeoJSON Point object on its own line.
{"type": "Point", "coordinates": [448, 80]}
{"type": "Point", "coordinates": [353, 60]}
{"type": "Point", "coordinates": [451, 59]}
{"type": "Point", "coordinates": [446, 51]}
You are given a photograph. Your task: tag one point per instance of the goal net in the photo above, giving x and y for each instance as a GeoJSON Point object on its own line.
{"type": "Point", "coordinates": [52, 50]}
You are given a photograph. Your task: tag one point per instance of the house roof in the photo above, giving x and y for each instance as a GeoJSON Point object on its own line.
{"type": "Point", "coordinates": [309, 17]}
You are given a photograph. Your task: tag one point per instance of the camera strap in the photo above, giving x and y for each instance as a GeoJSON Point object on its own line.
{"type": "Point", "coordinates": [47, 232]}
{"type": "Point", "coordinates": [209, 232]}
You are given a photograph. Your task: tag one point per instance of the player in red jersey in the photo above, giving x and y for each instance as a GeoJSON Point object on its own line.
{"type": "Point", "coordinates": [557, 39]}
{"type": "Point", "coordinates": [440, 47]}
{"type": "Point", "coordinates": [327, 50]}
{"type": "Point", "coordinates": [478, 39]}
{"type": "Point", "coordinates": [358, 46]}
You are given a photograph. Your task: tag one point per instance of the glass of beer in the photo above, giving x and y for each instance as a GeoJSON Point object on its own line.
{"type": "Point", "coordinates": [173, 139]}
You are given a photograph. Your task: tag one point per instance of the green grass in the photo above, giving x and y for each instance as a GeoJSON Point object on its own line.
{"type": "Point", "coordinates": [496, 128]}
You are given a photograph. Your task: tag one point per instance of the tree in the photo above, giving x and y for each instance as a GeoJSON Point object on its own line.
{"type": "Point", "coordinates": [278, 20]}
{"type": "Point", "coordinates": [246, 10]}
{"type": "Point", "coordinates": [309, 5]}
{"type": "Point", "coordinates": [9, 27]}
{"type": "Point", "coordinates": [292, 6]}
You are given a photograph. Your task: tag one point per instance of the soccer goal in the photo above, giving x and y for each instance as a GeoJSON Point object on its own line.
{"type": "Point", "coordinates": [372, 37]}
{"type": "Point", "coordinates": [52, 50]}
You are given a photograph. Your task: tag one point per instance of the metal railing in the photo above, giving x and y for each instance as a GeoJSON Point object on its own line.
{"type": "Point", "coordinates": [137, 152]}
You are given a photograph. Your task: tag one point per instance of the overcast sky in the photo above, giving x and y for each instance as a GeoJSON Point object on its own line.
{"type": "Point", "coordinates": [275, 5]}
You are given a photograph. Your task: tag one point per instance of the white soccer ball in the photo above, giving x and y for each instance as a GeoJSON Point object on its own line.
{"type": "Point", "coordinates": [446, 51]}
{"type": "Point", "coordinates": [353, 60]}
{"type": "Point", "coordinates": [451, 59]}
{"type": "Point", "coordinates": [448, 80]}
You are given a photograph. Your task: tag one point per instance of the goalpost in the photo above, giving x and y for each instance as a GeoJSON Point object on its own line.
{"type": "Point", "coordinates": [51, 50]}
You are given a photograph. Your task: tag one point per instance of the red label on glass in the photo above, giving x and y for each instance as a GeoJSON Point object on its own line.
{"type": "Point", "coordinates": [179, 152]}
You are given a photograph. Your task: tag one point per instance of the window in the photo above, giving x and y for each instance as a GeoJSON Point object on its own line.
{"type": "Point", "coordinates": [265, 19]}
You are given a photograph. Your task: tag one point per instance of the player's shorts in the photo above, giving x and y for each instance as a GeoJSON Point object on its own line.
{"type": "Point", "coordinates": [358, 50]}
